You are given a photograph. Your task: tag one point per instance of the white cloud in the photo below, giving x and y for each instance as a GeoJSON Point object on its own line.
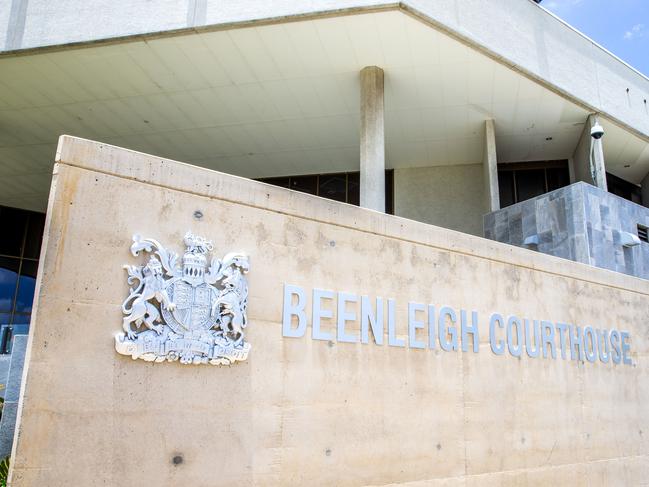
{"type": "Point", "coordinates": [637, 30]}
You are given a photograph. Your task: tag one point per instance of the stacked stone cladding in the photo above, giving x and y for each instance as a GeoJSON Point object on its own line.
{"type": "Point", "coordinates": [579, 222]}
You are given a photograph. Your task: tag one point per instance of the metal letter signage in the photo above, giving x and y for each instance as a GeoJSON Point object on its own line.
{"type": "Point", "coordinates": [191, 313]}
{"type": "Point", "coordinates": [449, 328]}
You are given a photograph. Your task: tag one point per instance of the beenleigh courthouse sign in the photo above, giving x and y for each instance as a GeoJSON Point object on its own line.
{"type": "Point", "coordinates": [432, 325]}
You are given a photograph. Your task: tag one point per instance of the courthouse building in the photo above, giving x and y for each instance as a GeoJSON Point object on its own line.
{"type": "Point", "coordinates": [476, 126]}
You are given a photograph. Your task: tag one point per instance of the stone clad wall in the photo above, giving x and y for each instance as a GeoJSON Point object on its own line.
{"type": "Point", "coordinates": [579, 222]}
{"type": "Point", "coordinates": [303, 411]}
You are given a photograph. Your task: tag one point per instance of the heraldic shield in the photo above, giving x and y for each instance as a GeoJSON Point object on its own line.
{"type": "Point", "coordinates": [193, 306]}
{"type": "Point", "coordinates": [191, 312]}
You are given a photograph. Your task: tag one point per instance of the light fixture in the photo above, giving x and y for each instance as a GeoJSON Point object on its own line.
{"type": "Point", "coordinates": [627, 239]}
{"type": "Point", "coordinates": [531, 241]}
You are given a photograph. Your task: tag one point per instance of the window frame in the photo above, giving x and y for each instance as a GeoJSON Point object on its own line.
{"type": "Point", "coordinates": [30, 220]}
{"type": "Point", "coordinates": [286, 182]}
{"type": "Point", "coordinates": [517, 167]}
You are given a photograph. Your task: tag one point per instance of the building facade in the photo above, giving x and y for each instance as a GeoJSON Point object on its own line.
{"type": "Point", "coordinates": [531, 135]}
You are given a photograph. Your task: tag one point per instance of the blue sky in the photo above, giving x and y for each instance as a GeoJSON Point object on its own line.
{"type": "Point", "coordinates": [621, 26]}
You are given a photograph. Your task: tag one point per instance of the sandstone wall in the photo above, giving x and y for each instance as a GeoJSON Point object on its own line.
{"type": "Point", "coordinates": [303, 411]}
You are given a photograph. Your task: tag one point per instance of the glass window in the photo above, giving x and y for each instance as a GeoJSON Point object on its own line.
{"type": "Point", "coordinates": [20, 321]}
{"type": "Point", "coordinates": [530, 183]}
{"type": "Point", "coordinates": [623, 188]}
{"type": "Point", "coordinates": [26, 285]}
{"type": "Point", "coordinates": [343, 187]}
{"type": "Point", "coordinates": [524, 180]}
{"type": "Point", "coordinates": [283, 182]}
{"type": "Point", "coordinates": [34, 236]}
{"type": "Point", "coordinates": [557, 178]}
{"type": "Point", "coordinates": [20, 246]}
{"type": "Point", "coordinates": [333, 187]}
{"type": "Point", "coordinates": [353, 189]}
{"type": "Point", "coordinates": [5, 339]}
{"type": "Point", "coordinates": [8, 280]}
{"type": "Point", "coordinates": [306, 184]}
{"type": "Point", "coordinates": [506, 188]}
{"type": "Point", "coordinates": [13, 231]}
{"type": "Point", "coordinates": [389, 192]}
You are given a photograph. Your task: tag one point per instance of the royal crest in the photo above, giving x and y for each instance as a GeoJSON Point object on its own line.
{"type": "Point", "coordinates": [191, 311]}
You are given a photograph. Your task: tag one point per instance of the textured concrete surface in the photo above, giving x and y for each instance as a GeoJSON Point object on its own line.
{"type": "Point", "coordinates": [579, 222]}
{"type": "Point", "coordinates": [534, 41]}
{"type": "Point", "coordinates": [490, 168]}
{"type": "Point", "coordinates": [300, 411]}
{"type": "Point", "coordinates": [372, 150]}
{"type": "Point", "coordinates": [446, 196]}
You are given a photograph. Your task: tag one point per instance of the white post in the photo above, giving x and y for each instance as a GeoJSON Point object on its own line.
{"type": "Point", "coordinates": [597, 167]}
{"type": "Point", "coordinates": [490, 167]}
{"type": "Point", "coordinates": [372, 157]}
{"type": "Point", "coordinates": [588, 158]}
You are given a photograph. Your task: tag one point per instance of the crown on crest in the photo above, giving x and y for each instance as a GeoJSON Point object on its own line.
{"type": "Point", "coordinates": [194, 259]}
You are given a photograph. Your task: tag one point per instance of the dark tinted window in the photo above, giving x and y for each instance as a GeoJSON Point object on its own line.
{"type": "Point", "coordinates": [530, 183]}
{"type": "Point", "coordinates": [389, 192]}
{"type": "Point", "coordinates": [506, 188]}
{"type": "Point", "coordinates": [522, 181]}
{"type": "Point", "coordinates": [283, 182]}
{"type": "Point", "coordinates": [26, 285]}
{"type": "Point", "coordinates": [13, 224]}
{"type": "Point", "coordinates": [353, 189]}
{"type": "Point", "coordinates": [306, 184]}
{"type": "Point", "coordinates": [557, 178]}
{"type": "Point", "coordinates": [20, 246]}
{"type": "Point", "coordinates": [9, 267]}
{"type": "Point", "coordinates": [623, 188]}
{"type": "Point", "coordinates": [333, 187]}
{"type": "Point", "coordinates": [343, 187]}
{"type": "Point", "coordinates": [34, 236]}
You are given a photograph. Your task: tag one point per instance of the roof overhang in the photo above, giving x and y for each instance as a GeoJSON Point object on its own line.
{"type": "Point", "coordinates": [520, 33]}
{"type": "Point", "coordinates": [282, 97]}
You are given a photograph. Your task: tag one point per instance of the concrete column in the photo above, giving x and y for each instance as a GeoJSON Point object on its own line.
{"type": "Point", "coordinates": [588, 159]}
{"type": "Point", "coordinates": [372, 180]}
{"type": "Point", "coordinates": [490, 168]}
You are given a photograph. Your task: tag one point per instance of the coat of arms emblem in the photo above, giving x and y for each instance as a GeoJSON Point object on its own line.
{"type": "Point", "coordinates": [191, 312]}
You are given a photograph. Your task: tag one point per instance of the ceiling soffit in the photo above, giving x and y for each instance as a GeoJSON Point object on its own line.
{"type": "Point", "coordinates": [283, 99]}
